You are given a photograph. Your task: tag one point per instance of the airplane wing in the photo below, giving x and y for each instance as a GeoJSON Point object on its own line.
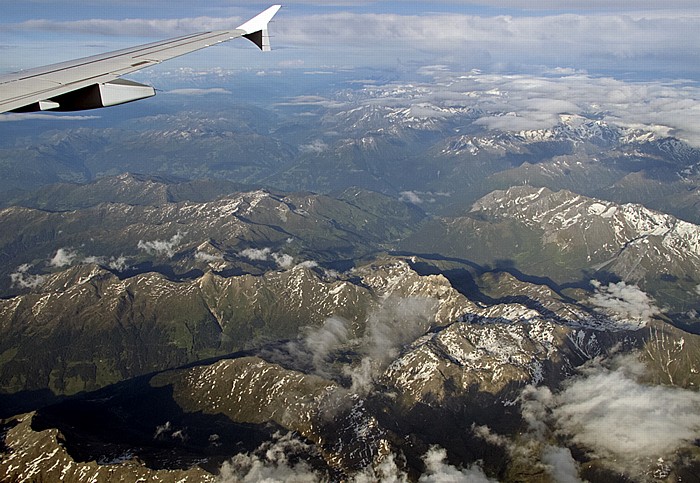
{"type": "Point", "coordinates": [94, 82]}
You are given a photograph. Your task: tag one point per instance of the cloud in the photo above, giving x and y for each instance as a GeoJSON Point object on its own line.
{"type": "Point", "coordinates": [207, 257]}
{"type": "Point", "coordinates": [130, 27]}
{"type": "Point", "coordinates": [616, 416]}
{"type": "Point", "coordinates": [395, 323]}
{"type": "Point", "coordinates": [323, 342]}
{"type": "Point", "coordinates": [627, 304]}
{"type": "Point", "coordinates": [9, 117]}
{"type": "Point", "coordinates": [118, 264]}
{"type": "Point", "coordinates": [23, 279]}
{"type": "Point", "coordinates": [527, 102]}
{"type": "Point", "coordinates": [309, 100]}
{"type": "Point", "coordinates": [63, 258]}
{"type": "Point", "coordinates": [315, 147]}
{"type": "Point", "coordinates": [283, 260]}
{"type": "Point", "coordinates": [439, 471]}
{"type": "Point", "coordinates": [168, 432]}
{"type": "Point", "coordinates": [560, 464]}
{"type": "Point", "coordinates": [625, 424]}
{"type": "Point", "coordinates": [271, 462]}
{"type": "Point", "coordinates": [281, 459]}
{"type": "Point", "coordinates": [637, 38]}
{"type": "Point", "coordinates": [419, 197]}
{"type": "Point", "coordinates": [66, 256]}
{"type": "Point", "coordinates": [410, 197]}
{"type": "Point", "coordinates": [256, 254]}
{"type": "Point", "coordinates": [161, 247]}
{"type": "Point", "coordinates": [198, 92]}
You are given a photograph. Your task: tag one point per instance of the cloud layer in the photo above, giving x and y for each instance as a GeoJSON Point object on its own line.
{"type": "Point", "coordinates": [586, 35]}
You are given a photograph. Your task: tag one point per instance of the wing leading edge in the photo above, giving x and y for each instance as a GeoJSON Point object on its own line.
{"type": "Point", "coordinates": [94, 82]}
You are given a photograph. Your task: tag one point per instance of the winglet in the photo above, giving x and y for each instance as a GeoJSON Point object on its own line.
{"type": "Point", "coordinates": [256, 28]}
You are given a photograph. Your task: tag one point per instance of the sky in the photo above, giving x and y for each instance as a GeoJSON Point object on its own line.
{"type": "Point", "coordinates": [643, 39]}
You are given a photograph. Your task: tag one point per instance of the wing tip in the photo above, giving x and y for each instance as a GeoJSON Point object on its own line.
{"type": "Point", "coordinates": [256, 28]}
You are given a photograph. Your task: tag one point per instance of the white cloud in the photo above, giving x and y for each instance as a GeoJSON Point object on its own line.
{"type": "Point", "coordinates": [9, 117]}
{"type": "Point", "coordinates": [560, 464]}
{"type": "Point", "coordinates": [410, 197]}
{"type": "Point", "coordinates": [310, 100]}
{"type": "Point", "coordinates": [315, 147]}
{"type": "Point", "coordinates": [271, 462]}
{"type": "Point", "coordinates": [625, 424]}
{"type": "Point", "coordinates": [308, 264]}
{"type": "Point", "coordinates": [627, 304]}
{"type": "Point", "coordinates": [23, 279]}
{"type": "Point", "coordinates": [276, 461]}
{"type": "Point", "coordinates": [207, 257]}
{"type": "Point", "coordinates": [256, 254]}
{"type": "Point", "coordinates": [161, 247]}
{"type": "Point", "coordinates": [526, 102]}
{"type": "Point", "coordinates": [118, 264]}
{"type": "Point", "coordinates": [198, 92]}
{"type": "Point", "coordinates": [629, 38]}
{"type": "Point", "coordinates": [283, 260]}
{"type": "Point", "coordinates": [63, 258]}
{"type": "Point", "coordinates": [616, 416]}
{"type": "Point", "coordinates": [396, 322]}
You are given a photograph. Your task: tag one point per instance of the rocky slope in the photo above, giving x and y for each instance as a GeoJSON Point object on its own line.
{"type": "Point", "coordinates": [571, 239]}
{"type": "Point", "coordinates": [414, 363]}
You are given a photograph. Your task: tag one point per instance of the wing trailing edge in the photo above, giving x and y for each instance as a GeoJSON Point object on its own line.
{"type": "Point", "coordinates": [95, 82]}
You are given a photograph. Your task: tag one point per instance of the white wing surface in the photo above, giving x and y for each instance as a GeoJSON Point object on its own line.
{"type": "Point", "coordinates": [94, 82]}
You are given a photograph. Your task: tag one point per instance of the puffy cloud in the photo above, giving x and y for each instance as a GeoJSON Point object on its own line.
{"type": "Point", "coordinates": [439, 471]}
{"type": "Point", "coordinates": [161, 247]}
{"type": "Point", "coordinates": [283, 260]}
{"type": "Point", "coordinates": [396, 322]}
{"type": "Point", "coordinates": [207, 257]}
{"type": "Point", "coordinates": [279, 460]}
{"type": "Point", "coordinates": [410, 197]}
{"type": "Point", "coordinates": [23, 279]}
{"type": "Point", "coordinates": [256, 254]}
{"type": "Point", "coordinates": [63, 258]}
{"type": "Point", "coordinates": [315, 147]}
{"type": "Point", "coordinates": [625, 424]}
{"type": "Point", "coordinates": [309, 264]}
{"type": "Point", "coordinates": [628, 304]}
{"type": "Point", "coordinates": [271, 462]}
{"type": "Point", "coordinates": [616, 416]}
{"type": "Point", "coordinates": [118, 264]}
{"type": "Point", "coordinates": [323, 342]}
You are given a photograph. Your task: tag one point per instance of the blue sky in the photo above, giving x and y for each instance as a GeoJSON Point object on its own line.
{"type": "Point", "coordinates": [652, 39]}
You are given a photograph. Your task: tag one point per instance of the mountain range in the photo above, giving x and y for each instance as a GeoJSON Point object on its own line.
{"type": "Point", "coordinates": [364, 285]}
